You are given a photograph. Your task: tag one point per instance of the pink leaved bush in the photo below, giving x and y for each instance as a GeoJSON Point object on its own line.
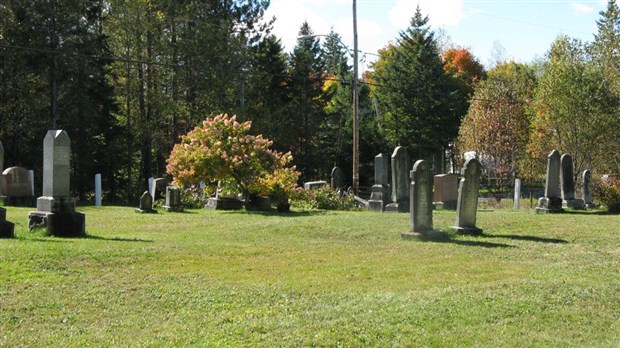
{"type": "Point", "coordinates": [222, 150]}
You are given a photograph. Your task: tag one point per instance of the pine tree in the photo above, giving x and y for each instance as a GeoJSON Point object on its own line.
{"type": "Point", "coordinates": [422, 105]}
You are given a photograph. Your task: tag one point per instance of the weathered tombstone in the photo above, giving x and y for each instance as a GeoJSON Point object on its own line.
{"type": "Point", "coordinates": [551, 201]}
{"type": "Point", "coordinates": [587, 190]}
{"type": "Point", "coordinates": [380, 191]}
{"type": "Point", "coordinates": [567, 183]}
{"type": "Point", "coordinates": [97, 190]}
{"type": "Point", "coordinates": [159, 188]}
{"type": "Point", "coordinates": [336, 181]}
{"type": "Point", "coordinates": [56, 208]}
{"type": "Point", "coordinates": [6, 228]}
{"type": "Point", "coordinates": [446, 188]}
{"type": "Point", "coordinates": [150, 187]}
{"type": "Point", "coordinates": [173, 199]}
{"type": "Point", "coordinates": [400, 181]}
{"type": "Point", "coordinates": [16, 187]}
{"type": "Point", "coordinates": [517, 194]}
{"type": "Point", "coordinates": [421, 202]}
{"type": "Point", "coordinates": [146, 204]}
{"type": "Point", "coordinates": [31, 178]}
{"type": "Point", "coordinates": [467, 203]}
{"type": "Point", "coordinates": [311, 185]}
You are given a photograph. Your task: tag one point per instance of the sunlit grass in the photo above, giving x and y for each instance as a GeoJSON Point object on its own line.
{"type": "Point", "coordinates": [312, 278]}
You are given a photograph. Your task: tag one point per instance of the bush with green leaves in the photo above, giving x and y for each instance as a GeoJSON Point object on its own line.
{"type": "Point", "coordinates": [608, 193]}
{"type": "Point", "coordinates": [324, 198]}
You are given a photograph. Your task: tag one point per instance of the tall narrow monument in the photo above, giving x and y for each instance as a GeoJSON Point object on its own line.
{"type": "Point", "coordinates": [551, 202]}
{"type": "Point", "coordinates": [467, 203]}
{"type": "Point", "coordinates": [400, 181]}
{"type": "Point", "coordinates": [56, 208]}
{"type": "Point", "coordinates": [380, 192]}
{"type": "Point", "coordinates": [421, 200]}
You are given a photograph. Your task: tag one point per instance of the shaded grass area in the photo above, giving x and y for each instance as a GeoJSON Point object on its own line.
{"type": "Point", "coordinates": [312, 279]}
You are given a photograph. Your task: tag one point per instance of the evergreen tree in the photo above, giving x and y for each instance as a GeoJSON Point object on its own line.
{"type": "Point", "coordinates": [606, 46]}
{"type": "Point", "coordinates": [423, 106]}
{"type": "Point", "coordinates": [306, 111]}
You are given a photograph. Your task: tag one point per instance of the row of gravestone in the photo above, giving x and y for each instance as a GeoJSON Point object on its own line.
{"type": "Point", "coordinates": [560, 186]}
{"type": "Point", "coordinates": [395, 197]}
{"type": "Point", "coordinates": [173, 201]}
{"type": "Point", "coordinates": [55, 208]}
{"type": "Point", "coordinates": [421, 199]}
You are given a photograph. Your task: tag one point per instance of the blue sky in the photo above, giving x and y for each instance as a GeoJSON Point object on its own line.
{"type": "Point", "coordinates": [524, 29]}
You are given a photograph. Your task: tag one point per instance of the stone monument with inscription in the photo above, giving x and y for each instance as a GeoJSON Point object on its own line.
{"type": "Point", "coordinates": [446, 188]}
{"type": "Point", "coordinates": [380, 191]}
{"type": "Point", "coordinates": [56, 208]}
{"type": "Point", "coordinates": [587, 189]}
{"type": "Point", "coordinates": [146, 204]}
{"type": "Point", "coordinates": [567, 182]}
{"type": "Point", "coordinates": [173, 199]}
{"type": "Point", "coordinates": [551, 201]}
{"type": "Point", "coordinates": [400, 181]}
{"type": "Point", "coordinates": [421, 200]}
{"type": "Point", "coordinates": [16, 187]}
{"type": "Point", "coordinates": [467, 203]}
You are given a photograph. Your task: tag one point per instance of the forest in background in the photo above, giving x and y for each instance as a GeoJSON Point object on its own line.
{"type": "Point", "coordinates": [126, 78]}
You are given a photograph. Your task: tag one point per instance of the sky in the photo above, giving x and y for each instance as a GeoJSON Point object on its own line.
{"type": "Point", "coordinates": [513, 30]}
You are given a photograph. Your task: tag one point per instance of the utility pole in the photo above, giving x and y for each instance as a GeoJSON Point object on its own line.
{"type": "Point", "coordinates": [356, 128]}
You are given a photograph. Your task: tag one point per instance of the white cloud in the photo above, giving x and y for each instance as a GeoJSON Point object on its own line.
{"type": "Point", "coordinates": [581, 8]}
{"type": "Point", "coordinates": [289, 17]}
{"type": "Point", "coordinates": [440, 13]}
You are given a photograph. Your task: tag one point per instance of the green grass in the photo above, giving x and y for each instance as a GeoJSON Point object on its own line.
{"type": "Point", "coordinates": [209, 278]}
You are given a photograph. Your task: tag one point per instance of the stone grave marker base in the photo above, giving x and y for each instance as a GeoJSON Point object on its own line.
{"type": "Point", "coordinates": [577, 204]}
{"type": "Point", "coordinates": [61, 224]}
{"type": "Point", "coordinates": [397, 207]}
{"type": "Point", "coordinates": [224, 203]}
{"type": "Point", "coordinates": [475, 231]}
{"type": "Point", "coordinates": [549, 205]}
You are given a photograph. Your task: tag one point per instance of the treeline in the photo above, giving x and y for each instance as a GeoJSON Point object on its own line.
{"type": "Point", "coordinates": [126, 78]}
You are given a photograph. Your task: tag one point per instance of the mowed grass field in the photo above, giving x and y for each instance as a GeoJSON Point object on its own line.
{"type": "Point", "coordinates": [312, 278]}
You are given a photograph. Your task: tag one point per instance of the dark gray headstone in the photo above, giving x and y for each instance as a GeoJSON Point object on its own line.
{"type": "Point", "coordinates": [6, 227]}
{"type": "Point", "coordinates": [16, 187]}
{"type": "Point", "coordinates": [551, 201]}
{"type": "Point", "coordinates": [336, 178]}
{"type": "Point", "coordinates": [173, 199]}
{"type": "Point", "coordinates": [421, 198]}
{"type": "Point", "coordinates": [400, 181]}
{"type": "Point", "coordinates": [467, 203]}
{"type": "Point", "coordinates": [567, 183]}
{"type": "Point", "coordinates": [146, 203]}
{"type": "Point", "coordinates": [159, 188]}
{"type": "Point", "coordinates": [380, 191]}
{"type": "Point", "coordinates": [587, 190]}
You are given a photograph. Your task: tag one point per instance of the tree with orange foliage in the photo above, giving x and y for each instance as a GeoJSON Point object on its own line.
{"type": "Point", "coordinates": [460, 63]}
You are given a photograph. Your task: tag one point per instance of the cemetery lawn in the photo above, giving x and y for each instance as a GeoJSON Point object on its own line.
{"type": "Point", "coordinates": [212, 278]}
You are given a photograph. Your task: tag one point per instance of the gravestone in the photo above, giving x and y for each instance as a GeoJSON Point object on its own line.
{"type": "Point", "coordinates": [551, 202]}
{"type": "Point", "coordinates": [400, 181]}
{"type": "Point", "coordinates": [97, 190]}
{"type": "Point", "coordinates": [517, 194]}
{"type": "Point", "coordinates": [173, 199]}
{"type": "Point", "coordinates": [146, 204]}
{"type": "Point", "coordinates": [467, 202]}
{"type": "Point", "coordinates": [567, 183]}
{"type": "Point", "coordinates": [16, 187]}
{"type": "Point", "coordinates": [586, 189]}
{"type": "Point", "coordinates": [336, 181]}
{"type": "Point", "coordinates": [421, 200]}
{"type": "Point", "coordinates": [6, 228]}
{"type": "Point", "coordinates": [1, 165]}
{"type": "Point", "coordinates": [31, 178]}
{"type": "Point", "coordinates": [380, 191]}
{"type": "Point", "coordinates": [159, 188]}
{"type": "Point", "coordinates": [446, 188]}
{"type": "Point", "coordinates": [150, 186]}
{"type": "Point", "coordinates": [311, 185]}
{"type": "Point", "coordinates": [56, 208]}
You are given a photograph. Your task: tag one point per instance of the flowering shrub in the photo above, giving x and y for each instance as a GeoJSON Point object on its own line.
{"type": "Point", "coordinates": [608, 192]}
{"type": "Point", "coordinates": [221, 150]}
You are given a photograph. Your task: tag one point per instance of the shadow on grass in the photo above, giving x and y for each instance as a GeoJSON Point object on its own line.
{"type": "Point", "coordinates": [276, 213]}
{"type": "Point", "coordinates": [116, 239]}
{"type": "Point", "coordinates": [437, 236]}
{"type": "Point", "coordinates": [526, 238]}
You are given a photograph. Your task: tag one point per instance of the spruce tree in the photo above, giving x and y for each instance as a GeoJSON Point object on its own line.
{"type": "Point", "coordinates": [422, 106]}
